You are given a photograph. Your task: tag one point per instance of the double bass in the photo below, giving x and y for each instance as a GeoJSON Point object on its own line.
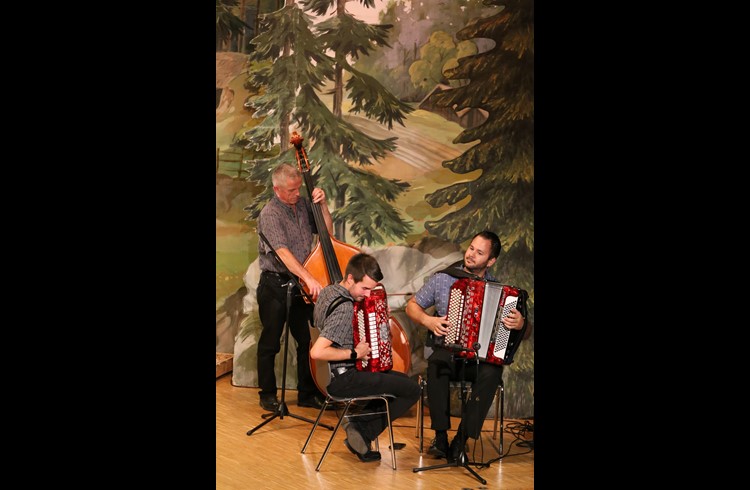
{"type": "Point", "coordinates": [326, 261]}
{"type": "Point", "coordinates": [329, 256]}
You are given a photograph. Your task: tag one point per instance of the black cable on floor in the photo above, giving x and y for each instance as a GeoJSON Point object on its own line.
{"type": "Point", "coordinates": [518, 430]}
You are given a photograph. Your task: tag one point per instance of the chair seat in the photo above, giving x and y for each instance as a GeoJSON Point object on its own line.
{"type": "Point", "coordinates": [345, 399]}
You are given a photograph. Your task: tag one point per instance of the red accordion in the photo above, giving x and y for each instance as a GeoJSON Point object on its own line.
{"type": "Point", "coordinates": [476, 309]}
{"type": "Point", "coordinates": [371, 325]}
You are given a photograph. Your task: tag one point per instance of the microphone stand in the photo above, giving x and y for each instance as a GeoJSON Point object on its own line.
{"type": "Point", "coordinates": [282, 409]}
{"type": "Point", "coordinates": [462, 461]}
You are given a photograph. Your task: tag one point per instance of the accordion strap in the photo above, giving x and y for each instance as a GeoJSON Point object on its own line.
{"type": "Point", "coordinates": [336, 303]}
{"type": "Point", "coordinates": [456, 270]}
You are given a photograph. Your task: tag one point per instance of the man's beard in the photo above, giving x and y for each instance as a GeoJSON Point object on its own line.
{"type": "Point", "coordinates": [474, 270]}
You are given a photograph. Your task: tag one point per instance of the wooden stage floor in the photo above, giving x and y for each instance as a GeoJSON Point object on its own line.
{"type": "Point", "coordinates": [270, 458]}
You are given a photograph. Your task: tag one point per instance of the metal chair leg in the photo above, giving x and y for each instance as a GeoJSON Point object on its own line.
{"type": "Point", "coordinates": [499, 413]}
{"type": "Point", "coordinates": [420, 413]}
{"type": "Point", "coordinates": [419, 406]}
{"type": "Point", "coordinates": [390, 432]}
{"type": "Point", "coordinates": [315, 425]}
{"type": "Point", "coordinates": [335, 430]}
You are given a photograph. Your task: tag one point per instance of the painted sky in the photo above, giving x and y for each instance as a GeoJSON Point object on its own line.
{"type": "Point", "coordinates": [369, 15]}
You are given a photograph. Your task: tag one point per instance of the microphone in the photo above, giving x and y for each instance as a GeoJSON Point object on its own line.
{"type": "Point", "coordinates": [461, 348]}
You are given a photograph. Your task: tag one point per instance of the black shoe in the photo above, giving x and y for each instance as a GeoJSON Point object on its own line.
{"type": "Point", "coordinates": [355, 440]}
{"type": "Point", "coordinates": [314, 402]}
{"type": "Point", "coordinates": [367, 457]}
{"type": "Point", "coordinates": [269, 402]}
{"type": "Point", "coordinates": [457, 446]}
{"type": "Point", "coordinates": [398, 446]}
{"type": "Point", "coordinates": [439, 446]}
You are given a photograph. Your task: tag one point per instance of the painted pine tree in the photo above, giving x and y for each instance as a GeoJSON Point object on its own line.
{"type": "Point", "coordinates": [501, 197]}
{"type": "Point", "coordinates": [291, 66]}
{"type": "Point", "coordinates": [228, 25]}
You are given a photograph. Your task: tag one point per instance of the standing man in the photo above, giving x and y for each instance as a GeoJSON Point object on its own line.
{"type": "Point", "coordinates": [287, 223]}
{"type": "Point", "coordinates": [336, 345]}
{"type": "Point", "coordinates": [442, 368]}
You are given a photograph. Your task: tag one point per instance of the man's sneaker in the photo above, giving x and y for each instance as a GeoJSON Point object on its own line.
{"type": "Point", "coordinates": [439, 445]}
{"type": "Point", "coordinates": [367, 457]}
{"type": "Point", "coordinates": [356, 441]}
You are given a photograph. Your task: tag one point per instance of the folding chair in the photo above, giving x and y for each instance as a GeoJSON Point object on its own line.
{"type": "Point", "coordinates": [347, 402]}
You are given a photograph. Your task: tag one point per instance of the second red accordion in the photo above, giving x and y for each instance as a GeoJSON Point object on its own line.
{"type": "Point", "coordinates": [371, 325]}
{"type": "Point", "coordinates": [476, 309]}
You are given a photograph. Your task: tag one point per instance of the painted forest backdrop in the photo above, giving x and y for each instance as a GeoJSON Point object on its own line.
{"type": "Point", "coordinates": [418, 117]}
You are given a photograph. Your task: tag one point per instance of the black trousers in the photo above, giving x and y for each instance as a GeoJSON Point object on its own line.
{"type": "Point", "coordinates": [271, 296]}
{"type": "Point", "coordinates": [361, 383]}
{"type": "Point", "coordinates": [485, 377]}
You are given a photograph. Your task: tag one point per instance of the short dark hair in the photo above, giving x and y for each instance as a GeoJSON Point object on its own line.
{"type": "Point", "coordinates": [363, 264]}
{"type": "Point", "coordinates": [494, 242]}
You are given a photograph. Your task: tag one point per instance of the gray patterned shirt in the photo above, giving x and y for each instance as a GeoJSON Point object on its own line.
{"type": "Point", "coordinates": [338, 327]}
{"type": "Point", "coordinates": [284, 228]}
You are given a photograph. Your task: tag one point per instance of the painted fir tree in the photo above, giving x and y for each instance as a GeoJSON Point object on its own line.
{"type": "Point", "coordinates": [228, 25]}
{"type": "Point", "coordinates": [287, 66]}
{"type": "Point", "coordinates": [501, 198]}
{"type": "Point", "coordinates": [291, 66]}
{"type": "Point", "coordinates": [367, 196]}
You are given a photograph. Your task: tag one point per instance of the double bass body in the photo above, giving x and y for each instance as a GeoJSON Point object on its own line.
{"type": "Point", "coordinates": [316, 262]}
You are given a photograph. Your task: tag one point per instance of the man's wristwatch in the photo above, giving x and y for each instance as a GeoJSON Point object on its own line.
{"type": "Point", "coordinates": [353, 355]}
